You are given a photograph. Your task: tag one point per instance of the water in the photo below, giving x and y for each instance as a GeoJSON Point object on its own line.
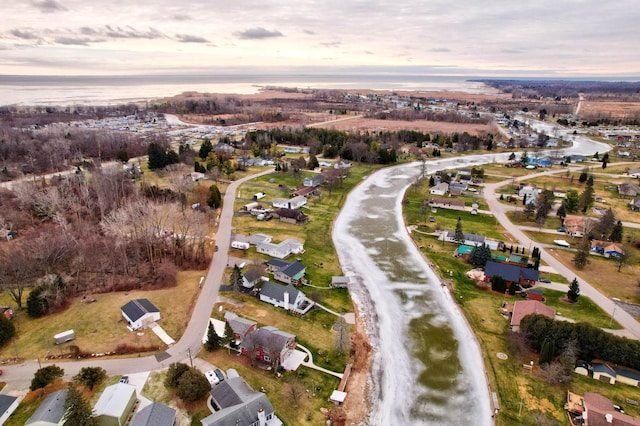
{"type": "Point", "coordinates": [427, 367]}
{"type": "Point", "coordinates": [113, 90]}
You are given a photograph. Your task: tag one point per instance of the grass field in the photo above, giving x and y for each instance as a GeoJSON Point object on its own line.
{"type": "Point", "coordinates": [102, 327]}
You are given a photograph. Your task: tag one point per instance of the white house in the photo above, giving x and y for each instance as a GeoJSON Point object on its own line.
{"type": "Point", "coordinates": [530, 191]}
{"type": "Point", "coordinates": [287, 297]}
{"type": "Point", "coordinates": [289, 203]}
{"type": "Point", "coordinates": [634, 173]}
{"type": "Point", "coordinates": [281, 250]}
{"type": "Point", "coordinates": [140, 313]}
{"type": "Point", "coordinates": [8, 405]}
{"type": "Point", "coordinates": [313, 181]}
{"type": "Point", "coordinates": [440, 189]}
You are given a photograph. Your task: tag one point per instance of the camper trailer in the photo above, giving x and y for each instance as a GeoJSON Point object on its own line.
{"type": "Point", "coordinates": [241, 245]}
{"type": "Point", "coordinates": [65, 336]}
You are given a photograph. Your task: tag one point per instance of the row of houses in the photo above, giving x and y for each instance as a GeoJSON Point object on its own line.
{"type": "Point", "coordinates": [593, 409]}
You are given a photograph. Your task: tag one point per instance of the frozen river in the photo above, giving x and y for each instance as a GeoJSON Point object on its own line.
{"type": "Point", "coordinates": [427, 366]}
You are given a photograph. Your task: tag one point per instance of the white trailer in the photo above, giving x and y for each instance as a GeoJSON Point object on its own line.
{"type": "Point", "coordinates": [241, 245]}
{"type": "Point", "coordinates": [65, 336]}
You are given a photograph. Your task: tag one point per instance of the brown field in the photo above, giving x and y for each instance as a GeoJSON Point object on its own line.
{"type": "Point", "coordinates": [610, 108]}
{"type": "Point", "coordinates": [362, 123]}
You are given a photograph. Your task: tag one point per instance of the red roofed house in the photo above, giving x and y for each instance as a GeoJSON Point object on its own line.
{"type": "Point", "coordinates": [600, 411]}
{"type": "Point", "coordinates": [526, 307]}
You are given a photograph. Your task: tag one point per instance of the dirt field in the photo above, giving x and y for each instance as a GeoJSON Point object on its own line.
{"type": "Point", "coordinates": [361, 123]}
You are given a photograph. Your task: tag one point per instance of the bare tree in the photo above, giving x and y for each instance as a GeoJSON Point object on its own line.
{"type": "Point", "coordinates": [341, 338]}
{"type": "Point", "coordinates": [294, 391]}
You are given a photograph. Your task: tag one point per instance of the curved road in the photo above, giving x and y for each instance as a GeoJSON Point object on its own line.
{"type": "Point", "coordinates": [628, 322]}
{"type": "Point", "coordinates": [18, 377]}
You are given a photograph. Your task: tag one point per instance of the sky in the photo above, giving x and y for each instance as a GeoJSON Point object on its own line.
{"type": "Point", "coordinates": [555, 38]}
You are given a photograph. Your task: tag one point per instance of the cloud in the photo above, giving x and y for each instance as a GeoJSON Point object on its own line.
{"type": "Point", "coordinates": [48, 6]}
{"type": "Point", "coordinates": [309, 32]}
{"type": "Point", "coordinates": [440, 50]}
{"type": "Point", "coordinates": [186, 38]}
{"type": "Point", "coordinates": [258, 33]}
{"type": "Point", "coordinates": [72, 41]}
{"type": "Point", "coordinates": [181, 17]}
{"type": "Point", "coordinates": [130, 32]}
{"type": "Point", "coordinates": [331, 44]}
{"type": "Point", "coordinates": [25, 34]}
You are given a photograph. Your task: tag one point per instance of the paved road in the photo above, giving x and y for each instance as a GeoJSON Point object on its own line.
{"type": "Point", "coordinates": [631, 326]}
{"type": "Point", "coordinates": [18, 377]}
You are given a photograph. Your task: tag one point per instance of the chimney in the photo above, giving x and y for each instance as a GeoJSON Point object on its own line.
{"type": "Point", "coordinates": [262, 417]}
{"type": "Point", "coordinates": [286, 300]}
{"type": "Point", "coordinates": [608, 417]}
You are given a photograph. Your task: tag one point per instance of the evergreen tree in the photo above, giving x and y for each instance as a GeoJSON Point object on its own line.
{"type": "Point", "coordinates": [574, 291]}
{"type": "Point", "coordinates": [459, 234]}
{"type": "Point", "coordinates": [547, 352]}
{"type": "Point", "coordinates": [313, 162]}
{"type": "Point", "coordinates": [605, 224]}
{"type": "Point", "coordinates": [616, 232]}
{"type": "Point", "coordinates": [235, 279]}
{"type": "Point", "coordinates": [205, 148]}
{"type": "Point", "coordinates": [90, 376]}
{"type": "Point", "coordinates": [77, 411]}
{"type": "Point", "coordinates": [229, 337]}
{"type": "Point", "coordinates": [584, 175]}
{"type": "Point", "coordinates": [214, 200]}
{"type": "Point", "coordinates": [529, 210]}
{"type": "Point", "coordinates": [590, 180]}
{"type": "Point", "coordinates": [157, 156]}
{"type": "Point", "coordinates": [192, 385]}
{"type": "Point", "coordinates": [175, 371]}
{"type": "Point", "coordinates": [572, 201]}
{"type": "Point", "coordinates": [480, 255]}
{"type": "Point", "coordinates": [7, 330]}
{"type": "Point", "coordinates": [498, 284]}
{"type": "Point", "coordinates": [45, 376]}
{"type": "Point", "coordinates": [432, 181]}
{"type": "Point", "coordinates": [562, 212]}
{"type": "Point", "coordinates": [586, 199]}
{"type": "Point", "coordinates": [213, 340]}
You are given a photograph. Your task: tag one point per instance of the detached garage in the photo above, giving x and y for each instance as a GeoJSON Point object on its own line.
{"type": "Point", "coordinates": [140, 313]}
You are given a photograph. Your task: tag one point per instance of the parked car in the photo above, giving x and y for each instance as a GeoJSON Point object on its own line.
{"type": "Point", "coordinates": [219, 374]}
{"type": "Point", "coordinates": [432, 219]}
{"type": "Point", "coordinates": [216, 249]}
{"type": "Point", "coordinates": [212, 378]}
{"type": "Point", "coordinates": [561, 230]}
{"type": "Point", "coordinates": [124, 379]}
{"type": "Point", "coordinates": [544, 280]}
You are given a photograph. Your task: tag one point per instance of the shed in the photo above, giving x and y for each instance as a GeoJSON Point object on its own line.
{"type": "Point", "coordinates": [115, 405]}
{"type": "Point", "coordinates": [65, 336]}
{"type": "Point", "coordinates": [50, 411]}
{"type": "Point", "coordinates": [140, 313]}
{"type": "Point", "coordinates": [340, 282]}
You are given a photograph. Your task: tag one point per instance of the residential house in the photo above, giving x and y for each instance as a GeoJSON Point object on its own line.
{"type": "Point", "coordinates": [607, 248]}
{"type": "Point", "coordinates": [305, 191]}
{"type": "Point", "coordinates": [240, 326]}
{"type": "Point", "coordinates": [287, 297]}
{"type": "Point", "coordinates": [440, 189]}
{"type": "Point", "coordinates": [530, 192]}
{"type": "Point", "coordinates": [511, 273]}
{"type": "Point", "coordinates": [464, 175]}
{"type": "Point", "coordinates": [269, 345]}
{"type": "Point", "coordinates": [576, 226]}
{"type": "Point", "coordinates": [281, 250]}
{"type": "Point", "coordinates": [257, 239]}
{"type": "Point", "coordinates": [341, 164]}
{"type": "Point", "coordinates": [295, 217]}
{"type": "Point", "coordinates": [462, 186]}
{"type": "Point", "coordinates": [8, 405]}
{"type": "Point", "coordinates": [603, 372]}
{"type": "Point", "coordinates": [559, 193]}
{"type": "Point", "coordinates": [446, 203]}
{"type": "Point", "coordinates": [292, 273]}
{"type": "Point", "coordinates": [289, 203]}
{"type": "Point", "coordinates": [139, 313]}
{"type": "Point", "coordinates": [155, 414]}
{"type": "Point", "coordinates": [223, 148]}
{"type": "Point", "coordinates": [274, 264]}
{"type": "Point", "coordinates": [463, 251]}
{"type": "Point", "coordinates": [527, 307]}
{"type": "Point", "coordinates": [628, 189]}
{"type": "Point", "coordinates": [634, 172]}
{"type": "Point", "coordinates": [627, 376]}
{"type": "Point", "coordinates": [340, 282]}
{"type": "Point", "coordinates": [469, 239]}
{"type": "Point", "coordinates": [313, 181]}
{"type": "Point", "coordinates": [252, 276]}
{"type": "Point", "coordinates": [115, 405]}
{"type": "Point", "coordinates": [635, 204]}
{"type": "Point", "coordinates": [237, 404]}
{"type": "Point", "coordinates": [600, 411]}
{"type": "Point", "coordinates": [50, 411]}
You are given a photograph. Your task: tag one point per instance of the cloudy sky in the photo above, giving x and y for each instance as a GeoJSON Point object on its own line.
{"type": "Point", "coordinates": [578, 38]}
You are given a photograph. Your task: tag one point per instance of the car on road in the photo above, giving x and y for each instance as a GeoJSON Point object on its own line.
{"type": "Point", "coordinates": [216, 249]}
{"type": "Point", "coordinates": [561, 230]}
{"type": "Point", "coordinates": [544, 280]}
{"type": "Point", "coordinates": [124, 379]}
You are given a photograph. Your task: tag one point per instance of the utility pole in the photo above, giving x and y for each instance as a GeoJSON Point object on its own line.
{"type": "Point", "coordinates": [190, 359]}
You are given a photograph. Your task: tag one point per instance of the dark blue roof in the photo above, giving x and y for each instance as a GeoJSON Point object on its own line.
{"type": "Point", "coordinates": [510, 272]}
{"type": "Point", "coordinates": [137, 308]}
{"type": "Point", "coordinates": [293, 269]}
{"type": "Point", "coordinates": [276, 291]}
{"type": "Point", "coordinates": [627, 372]}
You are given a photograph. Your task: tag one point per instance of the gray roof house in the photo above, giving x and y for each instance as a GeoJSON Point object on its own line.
{"type": "Point", "coordinates": [8, 405]}
{"type": "Point", "coordinates": [240, 326]}
{"type": "Point", "coordinates": [237, 404]}
{"type": "Point", "coordinates": [469, 239]}
{"type": "Point", "coordinates": [50, 411]}
{"type": "Point", "coordinates": [293, 273]}
{"type": "Point", "coordinates": [155, 414]}
{"type": "Point", "coordinates": [252, 276]}
{"type": "Point", "coordinates": [139, 313]}
{"type": "Point", "coordinates": [287, 297]}
{"type": "Point", "coordinates": [314, 180]}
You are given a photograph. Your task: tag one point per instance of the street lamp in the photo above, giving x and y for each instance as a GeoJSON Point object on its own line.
{"type": "Point", "coordinates": [612, 314]}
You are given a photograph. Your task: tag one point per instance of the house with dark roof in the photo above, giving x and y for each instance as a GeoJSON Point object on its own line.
{"type": "Point", "coordinates": [287, 297]}
{"type": "Point", "coordinates": [252, 276]}
{"type": "Point", "coordinates": [627, 376]}
{"type": "Point", "coordinates": [634, 205]}
{"type": "Point", "coordinates": [139, 313]}
{"type": "Point", "coordinates": [240, 326]}
{"type": "Point", "coordinates": [469, 239]}
{"type": "Point", "coordinates": [510, 273]}
{"type": "Point", "coordinates": [268, 345]}
{"type": "Point", "coordinates": [305, 191]}
{"type": "Point", "coordinates": [155, 414]}
{"type": "Point", "coordinates": [50, 411]}
{"type": "Point", "coordinates": [527, 307]}
{"type": "Point", "coordinates": [603, 372]}
{"type": "Point", "coordinates": [295, 217]}
{"type": "Point", "coordinates": [600, 411]}
{"type": "Point", "coordinates": [313, 181]}
{"type": "Point", "coordinates": [628, 189]}
{"type": "Point", "coordinates": [292, 273]}
{"type": "Point", "coordinates": [8, 405]}
{"type": "Point", "coordinates": [237, 404]}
